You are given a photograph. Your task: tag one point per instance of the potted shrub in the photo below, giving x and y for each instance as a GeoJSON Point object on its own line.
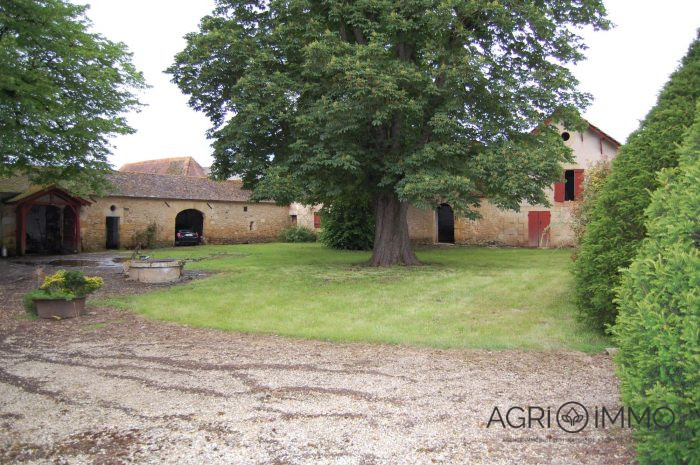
{"type": "Point", "coordinates": [62, 295]}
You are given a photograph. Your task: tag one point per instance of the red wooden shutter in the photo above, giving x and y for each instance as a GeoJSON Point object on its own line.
{"type": "Point", "coordinates": [317, 220]}
{"type": "Point", "coordinates": [578, 184]}
{"type": "Point", "coordinates": [558, 191]}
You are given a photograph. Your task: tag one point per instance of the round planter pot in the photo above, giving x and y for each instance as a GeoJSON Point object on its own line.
{"type": "Point", "coordinates": [61, 308]}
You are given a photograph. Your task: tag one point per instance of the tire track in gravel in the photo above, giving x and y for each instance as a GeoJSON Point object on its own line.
{"type": "Point", "coordinates": [153, 392]}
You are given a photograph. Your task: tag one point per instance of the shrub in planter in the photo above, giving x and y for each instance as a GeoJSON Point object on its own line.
{"type": "Point", "coordinates": [298, 234]}
{"type": "Point", "coordinates": [69, 287]}
{"type": "Point", "coordinates": [658, 326]}
{"type": "Point", "coordinates": [31, 297]}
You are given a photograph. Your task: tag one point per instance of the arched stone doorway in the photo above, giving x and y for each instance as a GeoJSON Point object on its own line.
{"type": "Point", "coordinates": [445, 224]}
{"type": "Point", "coordinates": [190, 220]}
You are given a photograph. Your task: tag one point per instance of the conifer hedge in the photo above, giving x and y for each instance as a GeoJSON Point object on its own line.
{"type": "Point", "coordinates": [616, 229]}
{"type": "Point", "coordinates": [658, 326]}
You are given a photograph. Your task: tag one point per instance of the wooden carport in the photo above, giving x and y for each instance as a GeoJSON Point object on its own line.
{"type": "Point", "coordinates": [51, 196]}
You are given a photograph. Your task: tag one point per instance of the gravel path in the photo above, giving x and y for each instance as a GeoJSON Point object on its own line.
{"type": "Point", "coordinates": [112, 387]}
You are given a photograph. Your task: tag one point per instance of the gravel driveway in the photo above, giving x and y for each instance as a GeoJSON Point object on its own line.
{"type": "Point", "coordinates": [112, 387]}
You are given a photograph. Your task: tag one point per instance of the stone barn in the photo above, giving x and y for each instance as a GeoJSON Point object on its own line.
{"type": "Point", "coordinates": [220, 211]}
{"type": "Point", "coordinates": [50, 220]}
{"type": "Point", "coordinates": [533, 225]}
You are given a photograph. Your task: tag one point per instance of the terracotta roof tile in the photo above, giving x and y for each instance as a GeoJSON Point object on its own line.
{"type": "Point", "coordinates": [176, 187]}
{"type": "Point", "coordinates": [149, 186]}
{"type": "Point", "coordinates": [184, 166]}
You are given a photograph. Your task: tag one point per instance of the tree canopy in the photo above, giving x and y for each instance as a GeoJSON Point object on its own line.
{"type": "Point", "coordinates": [63, 90]}
{"type": "Point", "coordinates": [412, 102]}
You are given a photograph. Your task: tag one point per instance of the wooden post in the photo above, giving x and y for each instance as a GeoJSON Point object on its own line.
{"type": "Point", "coordinates": [76, 210]}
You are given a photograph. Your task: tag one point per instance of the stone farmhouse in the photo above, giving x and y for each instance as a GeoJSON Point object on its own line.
{"type": "Point", "coordinates": [533, 225]}
{"type": "Point", "coordinates": [174, 193]}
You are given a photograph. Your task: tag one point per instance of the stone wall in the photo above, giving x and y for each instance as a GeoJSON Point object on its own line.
{"type": "Point", "coordinates": [421, 225]}
{"type": "Point", "coordinates": [508, 227]}
{"type": "Point", "coordinates": [224, 222]}
{"type": "Point", "coordinates": [305, 214]}
{"type": "Point", "coordinates": [496, 226]}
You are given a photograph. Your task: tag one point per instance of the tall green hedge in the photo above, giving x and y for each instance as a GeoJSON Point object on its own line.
{"type": "Point", "coordinates": [617, 227]}
{"type": "Point", "coordinates": [658, 326]}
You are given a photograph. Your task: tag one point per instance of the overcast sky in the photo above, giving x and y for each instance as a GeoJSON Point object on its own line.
{"type": "Point", "coordinates": [625, 69]}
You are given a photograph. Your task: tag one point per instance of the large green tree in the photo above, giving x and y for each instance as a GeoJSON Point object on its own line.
{"type": "Point", "coordinates": [63, 90]}
{"type": "Point", "coordinates": [616, 225]}
{"type": "Point", "coordinates": [410, 102]}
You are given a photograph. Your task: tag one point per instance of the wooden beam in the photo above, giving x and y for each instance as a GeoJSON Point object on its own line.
{"type": "Point", "coordinates": [21, 229]}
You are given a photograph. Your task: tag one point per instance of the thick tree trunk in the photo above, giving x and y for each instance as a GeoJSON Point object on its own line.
{"type": "Point", "coordinates": [392, 245]}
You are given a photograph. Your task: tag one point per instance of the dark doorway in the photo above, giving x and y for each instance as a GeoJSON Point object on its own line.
{"type": "Point", "coordinates": [446, 223]}
{"type": "Point", "coordinates": [70, 244]}
{"type": "Point", "coordinates": [190, 219]}
{"type": "Point", "coordinates": [112, 232]}
{"type": "Point", "coordinates": [44, 230]}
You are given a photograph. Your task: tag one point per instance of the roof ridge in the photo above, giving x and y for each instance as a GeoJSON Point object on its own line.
{"type": "Point", "coordinates": [595, 128]}
{"type": "Point", "coordinates": [139, 173]}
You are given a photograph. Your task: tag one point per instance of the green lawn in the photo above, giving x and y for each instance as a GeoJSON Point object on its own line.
{"type": "Point", "coordinates": [463, 297]}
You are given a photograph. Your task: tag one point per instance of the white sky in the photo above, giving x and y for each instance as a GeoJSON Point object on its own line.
{"type": "Point", "coordinates": [625, 69]}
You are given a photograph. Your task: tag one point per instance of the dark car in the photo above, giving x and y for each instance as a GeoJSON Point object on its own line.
{"type": "Point", "coordinates": [187, 237]}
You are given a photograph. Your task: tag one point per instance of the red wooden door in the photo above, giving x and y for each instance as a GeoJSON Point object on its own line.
{"type": "Point", "coordinates": [538, 228]}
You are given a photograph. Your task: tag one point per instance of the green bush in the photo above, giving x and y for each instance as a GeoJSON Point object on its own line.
{"type": "Point", "coordinates": [348, 225]}
{"type": "Point", "coordinates": [593, 183]}
{"type": "Point", "coordinates": [146, 238]}
{"type": "Point", "coordinates": [298, 234]}
{"type": "Point", "coordinates": [616, 228]}
{"type": "Point", "coordinates": [72, 282]}
{"type": "Point", "coordinates": [658, 326]}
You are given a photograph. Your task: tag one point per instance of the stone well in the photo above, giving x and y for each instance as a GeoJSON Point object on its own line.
{"type": "Point", "coordinates": [155, 271]}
